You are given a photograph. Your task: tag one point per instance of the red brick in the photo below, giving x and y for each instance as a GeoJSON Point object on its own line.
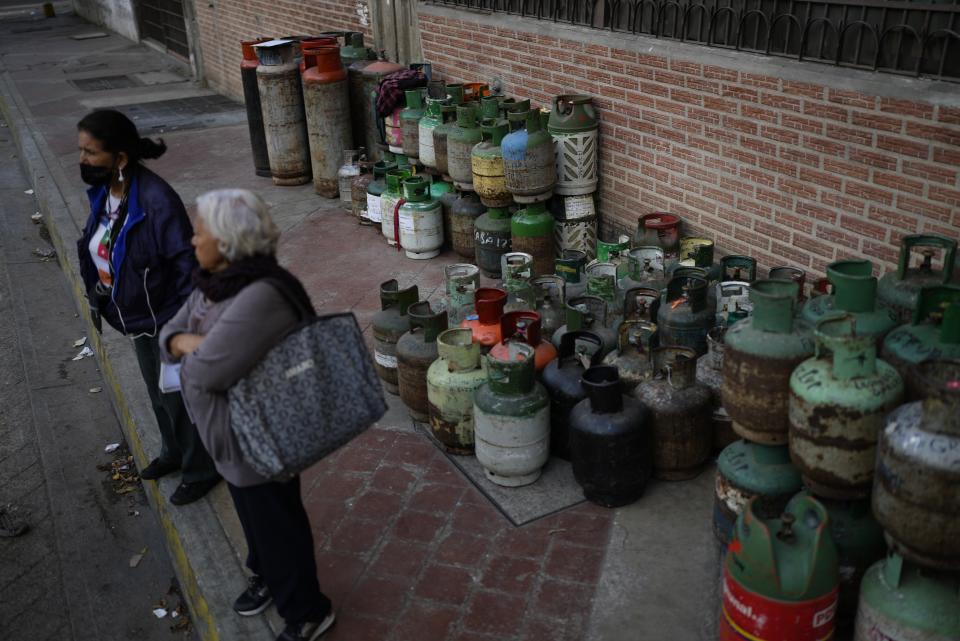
{"type": "Point", "coordinates": [758, 80]}
{"type": "Point", "coordinates": [417, 526]}
{"type": "Point", "coordinates": [822, 214]}
{"type": "Point", "coordinates": [423, 620]}
{"type": "Point", "coordinates": [950, 115]}
{"type": "Point", "coordinates": [843, 203]}
{"type": "Point", "coordinates": [759, 113]}
{"type": "Point", "coordinates": [803, 89]}
{"type": "Point", "coordinates": [739, 92]}
{"type": "Point", "coordinates": [401, 558]}
{"type": "Point", "coordinates": [350, 627]}
{"type": "Point", "coordinates": [850, 134]}
{"type": "Point", "coordinates": [442, 471]}
{"type": "Point", "coordinates": [758, 176]}
{"type": "Point", "coordinates": [775, 198]}
{"type": "Point", "coordinates": [946, 156]}
{"type": "Point", "coordinates": [740, 124]}
{"type": "Point", "coordinates": [945, 195]}
{"type": "Point", "coordinates": [793, 221]}
{"type": "Point", "coordinates": [511, 574]}
{"type": "Point", "coordinates": [354, 458]}
{"type": "Point", "coordinates": [949, 135]}
{"type": "Point", "coordinates": [931, 172]}
{"type": "Point", "coordinates": [845, 168]}
{"type": "Point", "coordinates": [904, 146]}
{"type": "Point", "coordinates": [824, 146]}
{"type": "Point", "coordinates": [492, 614]}
{"type": "Point", "coordinates": [893, 218]}
{"type": "Point", "coordinates": [776, 232]}
{"type": "Point", "coordinates": [784, 168]}
{"type": "Point", "coordinates": [791, 255]}
{"type": "Point", "coordinates": [781, 102]}
{"type": "Point", "coordinates": [876, 121]}
{"type": "Point", "coordinates": [822, 110]}
{"type": "Point", "coordinates": [376, 505]}
{"type": "Point", "coordinates": [720, 73]}
{"type": "Point", "coordinates": [393, 479]}
{"type": "Point", "coordinates": [883, 252]}
{"type": "Point", "coordinates": [801, 124]}
{"type": "Point", "coordinates": [780, 135]}
{"type": "Point", "coordinates": [389, 594]}
{"type": "Point", "coordinates": [338, 572]}
{"type": "Point", "coordinates": [445, 583]}
{"type": "Point", "coordinates": [873, 159]}
{"type": "Point", "coordinates": [837, 236]}
{"type": "Point", "coordinates": [898, 182]}
{"type": "Point", "coordinates": [477, 519]}
{"type": "Point", "coordinates": [868, 192]}
{"type": "Point", "coordinates": [356, 536]}
{"type": "Point", "coordinates": [864, 228]}
{"type": "Point", "coordinates": [703, 115]}
{"type": "Point", "coordinates": [852, 98]}
{"type": "Point", "coordinates": [906, 108]}
{"type": "Point", "coordinates": [436, 499]}
{"type": "Point", "coordinates": [809, 244]}
{"type": "Point", "coordinates": [802, 157]}
{"type": "Point", "coordinates": [720, 104]}
{"type": "Point", "coordinates": [821, 179]}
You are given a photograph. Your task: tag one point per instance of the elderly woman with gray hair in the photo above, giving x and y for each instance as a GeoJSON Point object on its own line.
{"type": "Point", "coordinates": [234, 316]}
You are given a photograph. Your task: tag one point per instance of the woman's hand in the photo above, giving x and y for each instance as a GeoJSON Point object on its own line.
{"type": "Point", "coordinates": [182, 344]}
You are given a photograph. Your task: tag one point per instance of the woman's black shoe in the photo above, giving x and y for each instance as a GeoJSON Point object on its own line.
{"type": "Point", "coordinates": [158, 469]}
{"type": "Point", "coordinates": [190, 492]}
{"type": "Point", "coordinates": [254, 600]}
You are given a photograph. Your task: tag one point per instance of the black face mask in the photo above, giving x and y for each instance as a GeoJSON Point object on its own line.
{"type": "Point", "coordinates": [95, 175]}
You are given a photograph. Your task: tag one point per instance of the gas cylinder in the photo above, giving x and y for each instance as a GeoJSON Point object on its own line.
{"type": "Point", "coordinates": [659, 229]}
{"type": "Point", "coordinates": [902, 601]}
{"type": "Point", "coordinates": [734, 267]}
{"type": "Point", "coordinates": [792, 273]}
{"type": "Point", "coordinates": [375, 191]}
{"type": "Point", "coordinates": [284, 120]}
{"type": "Point", "coordinates": [327, 104]}
{"type": "Point", "coordinates": [486, 162]}
{"type": "Point", "coordinates": [589, 313]}
{"type": "Point", "coordinates": [430, 121]}
{"type": "Point", "coordinates": [733, 298]}
{"type": "Point", "coordinates": [642, 303]}
{"type": "Point", "coordinates": [759, 356]}
{"type": "Point", "coordinates": [854, 292]}
{"type": "Point", "coordinates": [632, 358]}
{"type": "Point", "coordinates": [898, 290]}
{"type": "Point", "coordinates": [488, 302]}
{"type": "Point", "coordinates": [611, 442]}
{"type": "Point", "coordinates": [492, 239]}
{"type": "Point", "coordinates": [389, 201]}
{"type": "Point", "coordinates": [528, 159]}
{"type": "Point", "coordinates": [416, 351]}
{"type": "Point", "coordinates": [251, 100]}
{"type": "Point", "coordinates": [644, 268]}
{"type": "Point", "coordinates": [680, 410]}
{"type": "Point", "coordinates": [364, 108]}
{"type": "Point", "coordinates": [933, 334]}
{"type": "Point", "coordinates": [574, 126]}
{"type": "Point", "coordinates": [531, 232]}
{"type": "Point", "coordinates": [451, 381]}
{"type": "Point", "coordinates": [838, 402]}
{"type": "Point", "coordinates": [460, 142]}
{"type": "Point", "coordinates": [410, 123]}
{"type": "Point", "coordinates": [550, 296]}
{"type": "Point", "coordinates": [684, 317]}
{"type": "Point", "coordinates": [353, 49]}
{"type": "Point", "coordinates": [389, 324]}
{"type": "Point", "coordinates": [420, 220]}
{"type": "Point", "coordinates": [575, 224]}
{"type": "Point", "coordinates": [462, 281]}
{"type": "Point", "coordinates": [561, 378]}
{"type": "Point", "coordinates": [780, 578]}
{"type": "Point", "coordinates": [695, 251]}
{"type": "Point", "coordinates": [524, 326]}
{"type": "Point", "coordinates": [915, 495]}
{"type": "Point", "coordinates": [358, 190]}
{"type": "Point", "coordinates": [475, 90]}
{"type": "Point", "coordinates": [517, 271]}
{"type": "Point", "coordinates": [465, 209]}
{"type": "Point", "coordinates": [860, 544]}
{"type": "Point", "coordinates": [710, 373]}
{"type": "Point", "coordinates": [570, 265]}
{"type": "Point", "coordinates": [750, 471]}
{"type": "Point", "coordinates": [602, 282]}
{"type": "Point", "coordinates": [393, 130]}
{"type": "Point", "coordinates": [446, 202]}
{"type": "Point", "coordinates": [512, 419]}
{"type": "Point", "coordinates": [614, 251]}
{"type": "Point", "coordinates": [349, 170]}
{"type": "Point", "coordinates": [448, 120]}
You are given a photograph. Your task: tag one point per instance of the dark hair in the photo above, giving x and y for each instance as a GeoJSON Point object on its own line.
{"type": "Point", "coordinates": [117, 133]}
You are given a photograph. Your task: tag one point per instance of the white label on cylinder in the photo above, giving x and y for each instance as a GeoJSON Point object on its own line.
{"type": "Point", "coordinates": [576, 207]}
{"type": "Point", "coordinates": [406, 222]}
{"type": "Point", "coordinates": [373, 208]}
{"type": "Point", "coordinates": [386, 360]}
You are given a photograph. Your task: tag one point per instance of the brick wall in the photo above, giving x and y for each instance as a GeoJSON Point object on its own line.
{"type": "Point", "coordinates": [224, 23]}
{"type": "Point", "coordinates": [789, 172]}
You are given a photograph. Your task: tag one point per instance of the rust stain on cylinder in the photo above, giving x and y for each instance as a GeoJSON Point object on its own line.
{"type": "Point", "coordinates": [449, 433]}
{"type": "Point", "coordinates": [412, 379]}
{"type": "Point", "coordinates": [328, 123]}
{"type": "Point", "coordinates": [756, 392]}
{"type": "Point", "coordinates": [541, 248]}
{"type": "Point", "coordinates": [284, 123]}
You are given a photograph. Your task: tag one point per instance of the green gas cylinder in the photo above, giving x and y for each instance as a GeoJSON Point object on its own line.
{"type": "Point", "coordinates": [451, 381]}
{"type": "Point", "coordinates": [898, 289]}
{"type": "Point", "coordinates": [933, 334]}
{"type": "Point", "coordinates": [531, 232]}
{"type": "Point", "coordinates": [854, 292]}
{"type": "Point", "coordinates": [410, 123]}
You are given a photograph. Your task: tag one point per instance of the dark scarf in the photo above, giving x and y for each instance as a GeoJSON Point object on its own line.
{"type": "Point", "coordinates": [218, 286]}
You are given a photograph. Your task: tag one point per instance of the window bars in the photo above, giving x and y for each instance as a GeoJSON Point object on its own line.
{"type": "Point", "coordinates": [892, 36]}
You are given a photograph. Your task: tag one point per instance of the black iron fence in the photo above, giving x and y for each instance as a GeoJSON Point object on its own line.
{"type": "Point", "coordinates": [903, 37]}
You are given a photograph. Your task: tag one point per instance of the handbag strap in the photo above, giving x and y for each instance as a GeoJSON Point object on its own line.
{"type": "Point", "coordinates": [304, 312]}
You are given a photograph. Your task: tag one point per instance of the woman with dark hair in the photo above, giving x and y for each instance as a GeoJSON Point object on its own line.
{"type": "Point", "coordinates": [136, 262]}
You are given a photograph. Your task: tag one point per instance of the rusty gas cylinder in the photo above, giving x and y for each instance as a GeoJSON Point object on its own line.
{"type": "Point", "coordinates": [641, 303]}
{"type": "Point", "coordinates": [710, 373]}
{"type": "Point", "coordinates": [358, 191]}
{"type": "Point", "coordinates": [561, 378]}
{"type": "Point", "coordinates": [524, 326]}
{"type": "Point", "coordinates": [389, 324]}
{"type": "Point", "coordinates": [684, 318]}
{"type": "Point", "coordinates": [486, 163]}
{"type": "Point", "coordinates": [448, 120]}
{"type": "Point", "coordinates": [491, 240]}
{"type": "Point", "coordinates": [760, 355]}
{"type": "Point", "coordinates": [644, 268]}
{"type": "Point", "coordinates": [549, 291]}
{"type": "Point", "coordinates": [680, 409]}
{"type": "Point", "coordinates": [485, 323]}
{"type": "Point", "coordinates": [416, 351]}
{"type": "Point", "coordinates": [284, 119]}
{"type": "Point", "coordinates": [528, 159]}
{"type": "Point", "coordinates": [780, 579]}
{"type": "Point", "coordinates": [611, 442]}
{"type": "Point", "coordinates": [659, 229]}
{"type": "Point", "coordinates": [854, 292]}
{"type": "Point", "coordinates": [915, 489]}
{"type": "Point", "coordinates": [251, 99]}
{"type": "Point", "coordinates": [590, 313]}
{"type": "Point", "coordinates": [531, 232]}
{"type": "Point", "coordinates": [633, 356]}
{"type": "Point", "coordinates": [410, 123]}
{"type": "Point", "coordinates": [898, 290]}
{"type": "Point", "coordinates": [451, 381]}
{"type": "Point", "coordinates": [934, 333]}
{"type": "Point", "coordinates": [460, 142]}
{"type": "Point", "coordinates": [838, 402]}
{"type": "Point", "coordinates": [464, 211]}
{"type": "Point", "coordinates": [327, 105]}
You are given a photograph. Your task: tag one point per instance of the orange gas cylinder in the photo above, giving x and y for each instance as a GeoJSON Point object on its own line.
{"type": "Point", "coordinates": [489, 302]}
{"type": "Point", "coordinates": [524, 326]}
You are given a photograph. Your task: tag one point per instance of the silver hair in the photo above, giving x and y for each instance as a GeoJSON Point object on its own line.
{"type": "Point", "coordinates": [240, 221]}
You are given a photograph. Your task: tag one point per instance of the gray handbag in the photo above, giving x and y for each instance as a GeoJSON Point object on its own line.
{"type": "Point", "coordinates": [312, 393]}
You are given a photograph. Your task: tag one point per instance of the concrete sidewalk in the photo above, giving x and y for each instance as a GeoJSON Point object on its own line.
{"type": "Point", "coordinates": [407, 545]}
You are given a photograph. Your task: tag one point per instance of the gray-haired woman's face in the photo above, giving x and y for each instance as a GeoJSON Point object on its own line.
{"type": "Point", "coordinates": [206, 248]}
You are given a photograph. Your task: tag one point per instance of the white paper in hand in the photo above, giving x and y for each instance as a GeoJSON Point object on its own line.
{"type": "Point", "coordinates": [169, 378]}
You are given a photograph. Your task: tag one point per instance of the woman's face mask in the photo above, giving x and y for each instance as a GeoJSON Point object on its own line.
{"type": "Point", "coordinates": [96, 165]}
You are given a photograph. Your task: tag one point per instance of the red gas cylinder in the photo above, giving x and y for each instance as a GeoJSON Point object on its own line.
{"type": "Point", "coordinates": [489, 302]}
{"type": "Point", "coordinates": [313, 43]}
{"type": "Point", "coordinates": [659, 229]}
{"type": "Point", "coordinates": [781, 577]}
{"type": "Point", "coordinates": [327, 105]}
{"type": "Point", "coordinates": [524, 326]}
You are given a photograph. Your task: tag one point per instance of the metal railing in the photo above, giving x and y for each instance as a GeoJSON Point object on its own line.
{"type": "Point", "coordinates": [903, 37]}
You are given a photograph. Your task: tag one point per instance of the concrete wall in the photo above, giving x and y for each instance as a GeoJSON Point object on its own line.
{"type": "Point", "coordinates": [793, 163]}
{"type": "Point", "coordinates": [116, 15]}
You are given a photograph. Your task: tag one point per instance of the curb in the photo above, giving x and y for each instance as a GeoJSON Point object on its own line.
{"type": "Point", "coordinates": [207, 565]}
